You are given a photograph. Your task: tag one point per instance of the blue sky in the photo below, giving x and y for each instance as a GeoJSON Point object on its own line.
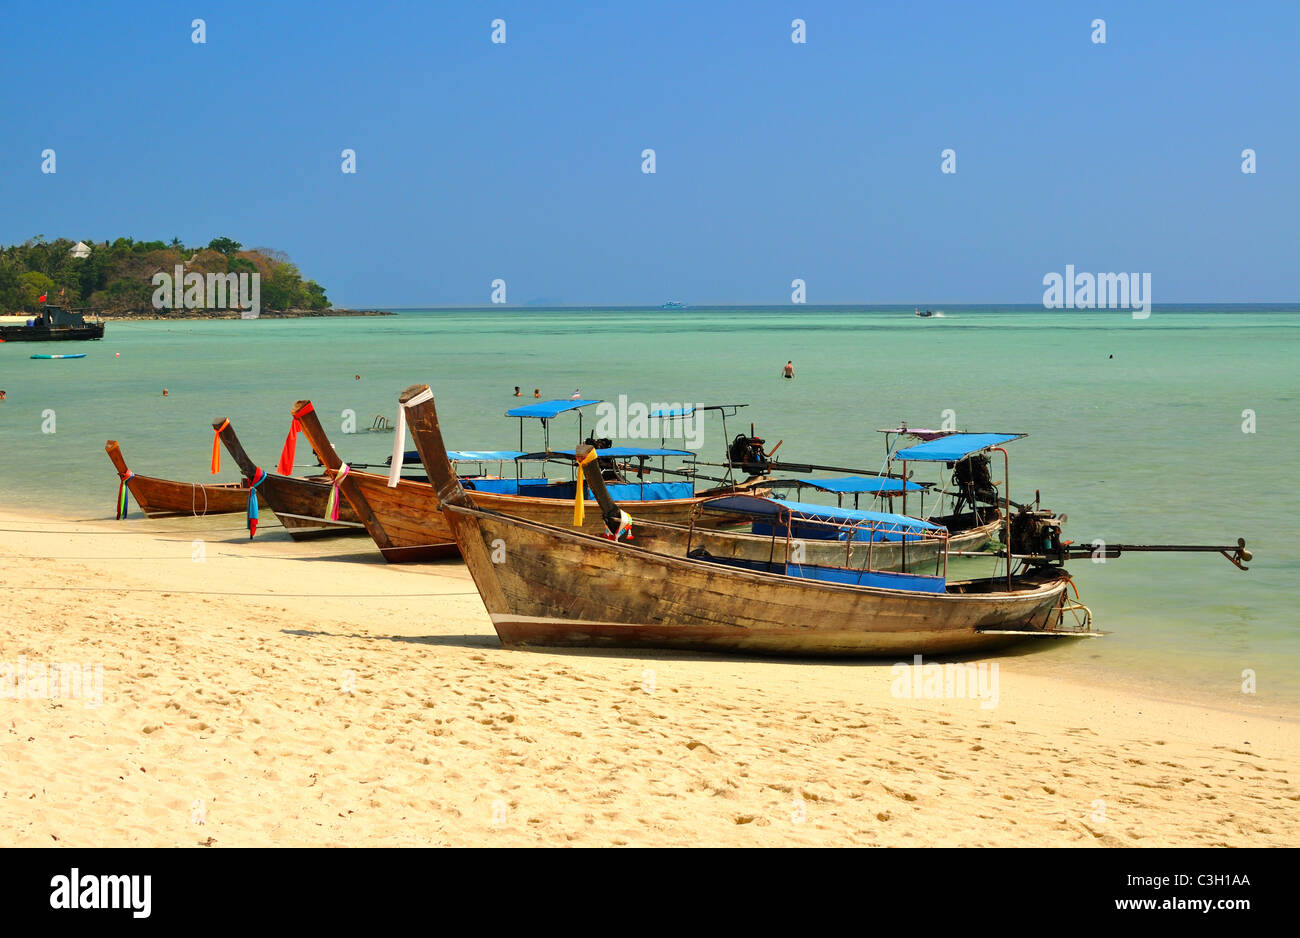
{"type": "Point", "coordinates": [775, 161]}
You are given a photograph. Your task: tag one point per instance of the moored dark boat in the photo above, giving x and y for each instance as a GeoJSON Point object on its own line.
{"type": "Point", "coordinates": [164, 498]}
{"type": "Point", "coordinates": [54, 324]}
{"type": "Point", "coordinates": [303, 506]}
{"type": "Point", "coordinates": [547, 585]}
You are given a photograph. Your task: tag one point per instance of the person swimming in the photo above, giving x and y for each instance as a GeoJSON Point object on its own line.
{"type": "Point", "coordinates": [788, 370]}
{"type": "Point", "coordinates": [537, 394]}
{"type": "Point", "coordinates": [576, 395]}
{"type": "Point", "coordinates": [517, 394]}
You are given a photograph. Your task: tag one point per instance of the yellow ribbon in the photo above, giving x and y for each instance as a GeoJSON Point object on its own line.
{"type": "Point", "coordinates": [580, 490]}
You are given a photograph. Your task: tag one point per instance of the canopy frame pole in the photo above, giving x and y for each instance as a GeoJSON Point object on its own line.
{"type": "Point", "coordinates": [903, 566]}
{"type": "Point", "coordinates": [1006, 499]}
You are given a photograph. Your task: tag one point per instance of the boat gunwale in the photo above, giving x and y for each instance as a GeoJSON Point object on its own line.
{"type": "Point", "coordinates": [1055, 583]}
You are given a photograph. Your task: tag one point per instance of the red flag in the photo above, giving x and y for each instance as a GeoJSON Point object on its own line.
{"type": "Point", "coordinates": [42, 298]}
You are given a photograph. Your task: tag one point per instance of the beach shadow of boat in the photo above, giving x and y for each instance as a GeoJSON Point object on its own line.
{"type": "Point", "coordinates": [490, 641]}
{"type": "Point", "coordinates": [456, 641]}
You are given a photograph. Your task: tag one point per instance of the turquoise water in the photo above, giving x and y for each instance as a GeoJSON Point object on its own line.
{"type": "Point", "coordinates": [1146, 446]}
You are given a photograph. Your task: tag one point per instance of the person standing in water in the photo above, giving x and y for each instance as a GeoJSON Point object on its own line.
{"type": "Point", "coordinates": [788, 370]}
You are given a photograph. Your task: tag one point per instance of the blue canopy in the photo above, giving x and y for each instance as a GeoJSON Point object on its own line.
{"type": "Point", "coordinates": [484, 455]}
{"type": "Point", "coordinates": [614, 452]}
{"type": "Point", "coordinates": [494, 455]}
{"type": "Point", "coordinates": [955, 446]}
{"type": "Point", "coordinates": [852, 485]}
{"type": "Point", "coordinates": [674, 411]}
{"type": "Point", "coordinates": [545, 410]}
{"type": "Point", "coordinates": [806, 511]}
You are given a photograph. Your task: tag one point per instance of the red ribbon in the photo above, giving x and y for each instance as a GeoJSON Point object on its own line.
{"type": "Point", "coordinates": [285, 466]}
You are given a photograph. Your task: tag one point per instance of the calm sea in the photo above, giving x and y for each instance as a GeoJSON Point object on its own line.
{"type": "Point", "coordinates": [1135, 428]}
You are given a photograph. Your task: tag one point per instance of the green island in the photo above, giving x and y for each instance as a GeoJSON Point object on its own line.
{"type": "Point", "coordinates": [117, 279]}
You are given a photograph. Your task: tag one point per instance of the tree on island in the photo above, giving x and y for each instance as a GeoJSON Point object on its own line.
{"type": "Point", "coordinates": [116, 277]}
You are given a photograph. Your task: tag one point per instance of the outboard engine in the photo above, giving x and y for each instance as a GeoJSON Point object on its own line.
{"type": "Point", "coordinates": [1037, 531]}
{"type": "Point", "coordinates": [974, 481]}
{"type": "Point", "coordinates": [608, 470]}
{"type": "Point", "coordinates": [747, 453]}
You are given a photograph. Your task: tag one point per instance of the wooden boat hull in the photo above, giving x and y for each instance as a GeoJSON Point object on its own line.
{"type": "Point", "coordinates": [407, 526]}
{"type": "Point", "coordinates": [545, 585]}
{"type": "Point", "coordinates": [300, 504]}
{"type": "Point", "coordinates": [921, 556]}
{"type": "Point", "coordinates": [555, 588]}
{"type": "Point", "coordinates": [416, 530]}
{"type": "Point", "coordinates": [163, 498]}
{"type": "Point", "coordinates": [404, 521]}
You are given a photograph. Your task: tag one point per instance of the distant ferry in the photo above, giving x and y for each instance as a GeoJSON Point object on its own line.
{"type": "Point", "coordinates": [53, 324]}
{"type": "Point", "coordinates": [921, 314]}
{"type": "Point", "coordinates": [673, 304]}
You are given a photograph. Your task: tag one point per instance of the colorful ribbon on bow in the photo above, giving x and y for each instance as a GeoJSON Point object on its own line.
{"type": "Point", "coordinates": [285, 466]}
{"type": "Point", "coordinates": [216, 446]}
{"type": "Point", "coordinates": [580, 490]}
{"type": "Point", "coordinates": [332, 503]}
{"type": "Point", "coordinates": [122, 493]}
{"type": "Point", "coordinates": [624, 528]}
{"type": "Point", "coordinates": [258, 478]}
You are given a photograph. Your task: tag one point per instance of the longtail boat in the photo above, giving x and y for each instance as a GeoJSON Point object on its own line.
{"type": "Point", "coordinates": [163, 498]}
{"type": "Point", "coordinates": [402, 517]}
{"type": "Point", "coordinates": [546, 585]}
{"type": "Point", "coordinates": [308, 508]}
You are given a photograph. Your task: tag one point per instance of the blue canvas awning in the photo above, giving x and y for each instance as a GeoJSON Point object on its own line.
{"type": "Point", "coordinates": [484, 455]}
{"type": "Point", "coordinates": [853, 485]}
{"type": "Point", "coordinates": [806, 511]}
{"type": "Point", "coordinates": [613, 452]}
{"type": "Point", "coordinates": [493, 455]}
{"type": "Point", "coordinates": [955, 446]}
{"type": "Point", "coordinates": [545, 410]}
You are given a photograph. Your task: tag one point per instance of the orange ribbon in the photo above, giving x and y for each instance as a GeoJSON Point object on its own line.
{"type": "Point", "coordinates": [216, 446]}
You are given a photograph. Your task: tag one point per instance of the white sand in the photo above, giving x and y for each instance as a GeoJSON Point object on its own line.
{"type": "Point", "coordinates": [234, 710]}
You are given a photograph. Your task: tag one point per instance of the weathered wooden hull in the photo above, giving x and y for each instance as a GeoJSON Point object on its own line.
{"type": "Point", "coordinates": [407, 526]}
{"type": "Point", "coordinates": [163, 498]}
{"type": "Point", "coordinates": [551, 587]}
{"type": "Point", "coordinates": [299, 503]}
{"type": "Point", "coordinates": [404, 521]}
{"type": "Point", "coordinates": [559, 511]}
{"type": "Point", "coordinates": [920, 556]}
{"type": "Point", "coordinates": [545, 585]}
{"type": "Point", "coordinates": [417, 530]}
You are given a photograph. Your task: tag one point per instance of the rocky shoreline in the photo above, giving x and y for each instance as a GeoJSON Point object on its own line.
{"type": "Point", "coordinates": [154, 314]}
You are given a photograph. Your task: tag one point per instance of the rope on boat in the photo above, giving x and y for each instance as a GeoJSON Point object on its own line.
{"type": "Point", "coordinates": [194, 500]}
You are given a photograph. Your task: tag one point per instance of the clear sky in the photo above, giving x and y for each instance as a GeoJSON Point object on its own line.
{"type": "Point", "coordinates": [774, 160]}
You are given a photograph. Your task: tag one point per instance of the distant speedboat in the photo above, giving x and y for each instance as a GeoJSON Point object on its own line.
{"type": "Point", "coordinates": [923, 315]}
{"type": "Point", "coordinates": [673, 304]}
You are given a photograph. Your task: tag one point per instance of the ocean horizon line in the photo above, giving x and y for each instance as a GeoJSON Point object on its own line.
{"type": "Point", "coordinates": [1271, 306]}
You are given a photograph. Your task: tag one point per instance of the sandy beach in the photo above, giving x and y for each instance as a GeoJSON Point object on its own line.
{"type": "Point", "coordinates": [275, 693]}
